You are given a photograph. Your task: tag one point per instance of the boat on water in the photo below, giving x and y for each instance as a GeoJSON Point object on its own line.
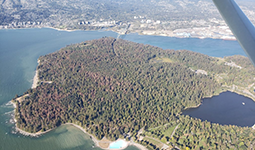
{"type": "Point", "coordinates": [243, 103]}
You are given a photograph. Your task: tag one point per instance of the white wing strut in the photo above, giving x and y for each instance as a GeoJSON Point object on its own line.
{"type": "Point", "coordinates": [239, 24]}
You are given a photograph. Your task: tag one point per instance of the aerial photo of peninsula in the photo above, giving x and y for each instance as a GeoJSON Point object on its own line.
{"type": "Point", "coordinates": [125, 75]}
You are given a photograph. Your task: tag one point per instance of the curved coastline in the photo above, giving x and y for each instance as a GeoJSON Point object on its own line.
{"type": "Point", "coordinates": [96, 142]}
{"type": "Point", "coordinates": [37, 134]}
{"type": "Point", "coordinates": [34, 85]}
{"type": "Point", "coordinates": [210, 96]}
{"type": "Point", "coordinates": [127, 143]}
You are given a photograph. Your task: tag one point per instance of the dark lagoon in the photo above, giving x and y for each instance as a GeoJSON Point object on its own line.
{"type": "Point", "coordinates": [228, 108]}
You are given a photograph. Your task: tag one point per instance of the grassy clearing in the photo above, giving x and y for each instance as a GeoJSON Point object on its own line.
{"type": "Point", "coordinates": [154, 142]}
{"type": "Point", "coordinates": [167, 60]}
{"type": "Point", "coordinates": [169, 131]}
{"type": "Point", "coordinates": [219, 60]}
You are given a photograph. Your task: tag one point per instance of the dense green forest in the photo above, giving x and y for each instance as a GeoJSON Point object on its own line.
{"type": "Point", "coordinates": [112, 87]}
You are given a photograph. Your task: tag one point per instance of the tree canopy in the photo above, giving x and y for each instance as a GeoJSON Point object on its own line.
{"type": "Point", "coordinates": [112, 87]}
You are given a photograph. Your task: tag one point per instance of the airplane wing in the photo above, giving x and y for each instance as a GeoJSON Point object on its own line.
{"type": "Point", "coordinates": [239, 24]}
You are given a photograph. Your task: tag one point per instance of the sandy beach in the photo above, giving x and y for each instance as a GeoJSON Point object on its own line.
{"type": "Point", "coordinates": [62, 29]}
{"type": "Point", "coordinates": [83, 130]}
{"type": "Point", "coordinates": [126, 143]}
{"type": "Point", "coordinates": [35, 79]}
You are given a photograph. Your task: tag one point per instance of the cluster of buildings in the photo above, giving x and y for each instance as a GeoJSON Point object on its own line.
{"type": "Point", "coordinates": [212, 28]}
{"type": "Point", "coordinates": [100, 23]}
{"type": "Point", "coordinates": [28, 24]}
{"type": "Point", "coordinates": [215, 32]}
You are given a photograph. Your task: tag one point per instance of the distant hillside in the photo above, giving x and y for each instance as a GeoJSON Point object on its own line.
{"type": "Point", "coordinates": [67, 13]}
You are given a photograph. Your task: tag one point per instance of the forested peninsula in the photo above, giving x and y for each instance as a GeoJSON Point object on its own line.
{"type": "Point", "coordinates": [119, 89]}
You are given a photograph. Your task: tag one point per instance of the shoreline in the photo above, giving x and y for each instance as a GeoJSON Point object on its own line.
{"type": "Point", "coordinates": [96, 142]}
{"type": "Point", "coordinates": [201, 38]}
{"type": "Point", "coordinates": [73, 30]}
{"type": "Point", "coordinates": [226, 90]}
{"type": "Point", "coordinates": [37, 134]}
{"type": "Point", "coordinates": [128, 143]}
{"type": "Point", "coordinates": [217, 94]}
{"type": "Point", "coordinates": [61, 29]}
{"type": "Point", "coordinates": [210, 96]}
{"type": "Point", "coordinates": [36, 78]}
{"type": "Point", "coordinates": [22, 131]}
{"type": "Point", "coordinates": [34, 85]}
{"type": "Point", "coordinates": [83, 130]}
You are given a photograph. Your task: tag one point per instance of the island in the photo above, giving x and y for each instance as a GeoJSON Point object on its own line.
{"type": "Point", "coordinates": [114, 89]}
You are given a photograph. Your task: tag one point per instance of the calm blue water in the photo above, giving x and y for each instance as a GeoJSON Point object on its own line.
{"type": "Point", "coordinates": [211, 47]}
{"type": "Point", "coordinates": [19, 51]}
{"type": "Point", "coordinates": [226, 109]}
